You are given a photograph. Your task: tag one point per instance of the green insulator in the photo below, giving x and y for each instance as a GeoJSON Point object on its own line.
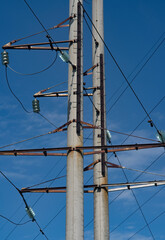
{"type": "Point", "coordinates": [161, 136]}
{"type": "Point", "coordinates": [36, 107]}
{"type": "Point", "coordinates": [5, 58]}
{"type": "Point", "coordinates": [30, 212]}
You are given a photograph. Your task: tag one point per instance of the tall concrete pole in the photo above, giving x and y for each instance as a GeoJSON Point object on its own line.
{"type": "Point", "coordinates": [75, 189]}
{"type": "Point", "coordinates": [101, 208]}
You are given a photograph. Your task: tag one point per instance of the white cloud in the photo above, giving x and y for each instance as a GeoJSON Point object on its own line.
{"type": "Point", "coordinates": [125, 236]}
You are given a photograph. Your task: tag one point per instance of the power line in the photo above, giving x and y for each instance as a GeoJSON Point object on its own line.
{"type": "Point", "coordinates": [130, 215]}
{"type": "Point", "coordinates": [20, 193]}
{"type": "Point", "coordinates": [136, 170]}
{"type": "Point", "coordinates": [22, 103]}
{"type": "Point", "coordinates": [46, 182]}
{"type": "Point", "coordinates": [14, 93]}
{"type": "Point", "coordinates": [55, 165]}
{"type": "Point", "coordinates": [31, 74]}
{"type": "Point", "coordinates": [18, 224]}
{"type": "Point", "coordinates": [138, 65]}
{"type": "Point", "coordinates": [135, 180]}
{"type": "Point", "coordinates": [47, 120]}
{"type": "Point", "coordinates": [139, 207]}
{"type": "Point", "coordinates": [50, 39]}
{"type": "Point", "coordinates": [119, 68]}
{"type": "Point", "coordinates": [146, 225]}
{"type": "Point", "coordinates": [61, 209]}
{"type": "Point", "coordinates": [136, 75]}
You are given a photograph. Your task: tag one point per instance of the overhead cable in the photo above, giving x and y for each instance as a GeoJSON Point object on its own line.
{"type": "Point", "coordinates": [27, 207]}
{"type": "Point", "coordinates": [31, 74]}
{"type": "Point", "coordinates": [135, 76]}
{"type": "Point", "coordinates": [18, 224]}
{"type": "Point", "coordinates": [131, 214]}
{"type": "Point", "coordinates": [163, 212]}
{"type": "Point", "coordinates": [140, 64]}
{"type": "Point", "coordinates": [14, 93]}
{"type": "Point", "coordinates": [121, 71]}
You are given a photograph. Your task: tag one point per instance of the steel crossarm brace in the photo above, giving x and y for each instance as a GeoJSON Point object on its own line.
{"type": "Point", "coordinates": [112, 165]}
{"type": "Point", "coordinates": [87, 72]}
{"type": "Point", "coordinates": [54, 27]}
{"type": "Point", "coordinates": [90, 166]}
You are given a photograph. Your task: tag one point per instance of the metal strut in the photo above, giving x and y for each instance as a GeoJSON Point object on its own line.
{"type": "Point", "coordinates": [78, 68]}
{"type": "Point", "coordinates": [102, 113]}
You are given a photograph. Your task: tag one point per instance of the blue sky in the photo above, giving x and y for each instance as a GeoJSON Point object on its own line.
{"type": "Point", "coordinates": [132, 29]}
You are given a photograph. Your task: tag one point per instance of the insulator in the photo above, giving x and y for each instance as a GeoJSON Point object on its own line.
{"type": "Point", "coordinates": [30, 212]}
{"type": "Point", "coordinates": [64, 56]}
{"type": "Point", "coordinates": [36, 107]}
{"type": "Point", "coordinates": [5, 58]}
{"type": "Point", "coordinates": [109, 136]}
{"type": "Point", "coordinates": [161, 136]}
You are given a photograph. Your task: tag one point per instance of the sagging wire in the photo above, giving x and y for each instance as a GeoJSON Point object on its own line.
{"type": "Point", "coordinates": [135, 76]}
{"type": "Point", "coordinates": [28, 209]}
{"type": "Point", "coordinates": [139, 207]}
{"type": "Point", "coordinates": [121, 71]}
{"type": "Point", "coordinates": [163, 212]}
{"type": "Point", "coordinates": [14, 93]}
{"type": "Point", "coordinates": [39, 198]}
{"type": "Point", "coordinates": [7, 80]}
{"type": "Point", "coordinates": [35, 73]}
{"type": "Point", "coordinates": [137, 67]}
{"type": "Point", "coordinates": [17, 224]}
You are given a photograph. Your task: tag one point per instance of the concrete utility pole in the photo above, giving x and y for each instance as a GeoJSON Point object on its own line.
{"type": "Point", "coordinates": [75, 188]}
{"type": "Point", "coordinates": [101, 209]}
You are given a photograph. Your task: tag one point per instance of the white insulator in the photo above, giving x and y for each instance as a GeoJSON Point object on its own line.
{"type": "Point", "coordinates": [109, 136]}
{"type": "Point", "coordinates": [64, 56]}
{"type": "Point", "coordinates": [30, 212]}
{"type": "Point", "coordinates": [161, 136]}
{"type": "Point", "coordinates": [5, 58]}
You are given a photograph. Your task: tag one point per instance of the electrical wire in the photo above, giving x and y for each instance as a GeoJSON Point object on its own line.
{"type": "Point", "coordinates": [97, 111]}
{"type": "Point", "coordinates": [146, 225]}
{"type": "Point", "coordinates": [135, 180]}
{"type": "Point", "coordinates": [131, 214]}
{"type": "Point", "coordinates": [47, 120]}
{"type": "Point", "coordinates": [139, 65]}
{"type": "Point", "coordinates": [121, 71]}
{"type": "Point", "coordinates": [139, 207]}
{"type": "Point", "coordinates": [135, 76]}
{"type": "Point", "coordinates": [18, 224]}
{"type": "Point", "coordinates": [55, 165]}
{"type": "Point", "coordinates": [151, 173]}
{"type": "Point", "coordinates": [39, 198]}
{"type": "Point", "coordinates": [22, 103]}
{"type": "Point", "coordinates": [20, 193]}
{"type": "Point", "coordinates": [25, 140]}
{"type": "Point", "coordinates": [14, 93]}
{"type": "Point", "coordinates": [46, 182]}
{"type": "Point", "coordinates": [50, 39]}
{"type": "Point", "coordinates": [61, 209]}
{"type": "Point", "coordinates": [31, 74]}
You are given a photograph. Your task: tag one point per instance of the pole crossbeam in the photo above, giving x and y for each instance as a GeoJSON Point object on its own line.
{"type": "Point", "coordinates": [119, 187]}
{"type": "Point", "coordinates": [113, 148]}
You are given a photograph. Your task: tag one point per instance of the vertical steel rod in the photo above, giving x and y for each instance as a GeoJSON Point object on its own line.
{"type": "Point", "coordinates": [101, 208]}
{"type": "Point", "coordinates": [79, 95]}
{"type": "Point", "coordinates": [74, 192]}
{"type": "Point", "coordinates": [102, 101]}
